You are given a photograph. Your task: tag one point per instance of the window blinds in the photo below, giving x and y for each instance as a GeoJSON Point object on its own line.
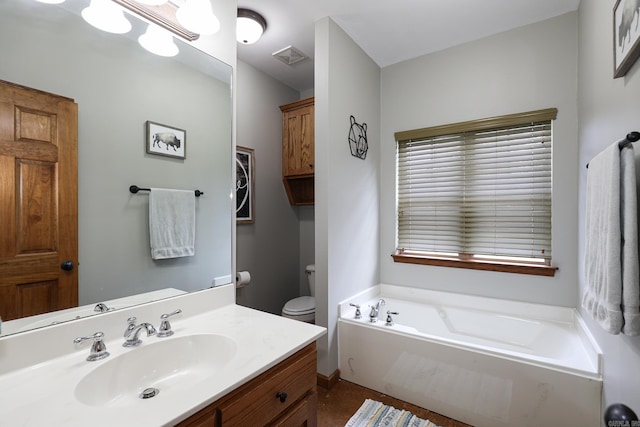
{"type": "Point", "coordinates": [477, 192]}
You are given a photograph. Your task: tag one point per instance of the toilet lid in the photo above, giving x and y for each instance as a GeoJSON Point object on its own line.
{"type": "Point", "coordinates": [300, 305]}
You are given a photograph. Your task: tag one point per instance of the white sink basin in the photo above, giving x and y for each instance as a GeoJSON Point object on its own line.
{"type": "Point", "coordinates": [169, 365]}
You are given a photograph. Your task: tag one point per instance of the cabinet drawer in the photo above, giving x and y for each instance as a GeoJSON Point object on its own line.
{"type": "Point", "coordinates": [303, 414]}
{"type": "Point", "coordinates": [256, 403]}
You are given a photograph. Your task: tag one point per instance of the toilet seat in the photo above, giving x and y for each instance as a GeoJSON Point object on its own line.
{"type": "Point", "coordinates": [300, 306]}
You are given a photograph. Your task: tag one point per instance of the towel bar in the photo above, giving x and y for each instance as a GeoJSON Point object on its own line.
{"type": "Point", "coordinates": [134, 189]}
{"type": "Point", "coordinates": [631, 137]}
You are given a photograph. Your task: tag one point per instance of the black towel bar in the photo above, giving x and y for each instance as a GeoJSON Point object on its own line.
{"type": "Point", "coordinates": [631, 137]}
{"type": "Point", "coordinates": [134, 189]}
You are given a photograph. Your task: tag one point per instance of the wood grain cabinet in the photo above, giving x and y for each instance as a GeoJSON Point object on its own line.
{"type": "Point", "coordinates": [298, 151]}
{"type": "Point", "coordinates": [283, 396]}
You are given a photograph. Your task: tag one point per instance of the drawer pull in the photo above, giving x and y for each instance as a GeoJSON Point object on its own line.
{"type": "Point", "coordinates": [282, 396]}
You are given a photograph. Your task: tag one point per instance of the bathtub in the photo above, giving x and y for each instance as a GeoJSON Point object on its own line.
{"type": "Point", "coordinates": [486, 362]}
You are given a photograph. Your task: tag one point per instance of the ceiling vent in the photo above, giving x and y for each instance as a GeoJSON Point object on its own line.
{"type": "Point", "coordinates": [289, 55]}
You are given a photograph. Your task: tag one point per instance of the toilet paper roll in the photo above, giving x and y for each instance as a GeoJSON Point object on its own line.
{"type": "Point", "coordinates": [242, 279]}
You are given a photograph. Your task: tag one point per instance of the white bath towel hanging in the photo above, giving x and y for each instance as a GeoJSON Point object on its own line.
{"type": "Point", "coordinates": [172, 223]}
{"type": "Point", "coordinates": [612, 294]}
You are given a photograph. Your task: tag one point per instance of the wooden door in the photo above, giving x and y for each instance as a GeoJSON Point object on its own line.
{"type": "Point", "coordinates": [38, 202]}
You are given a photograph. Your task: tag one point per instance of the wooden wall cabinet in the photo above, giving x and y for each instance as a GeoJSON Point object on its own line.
{"type": "Point", "coordinates": [261, 402]}
{"type": "Point", "coordinates": [298, 151]}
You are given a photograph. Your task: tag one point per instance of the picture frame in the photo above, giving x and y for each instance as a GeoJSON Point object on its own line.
{"type": "Point", "coordinates": [245, 198]}
{"type": "Point", "coordinates": [167, 141]}
{"type": "Point", "coordinates": [626, 36]}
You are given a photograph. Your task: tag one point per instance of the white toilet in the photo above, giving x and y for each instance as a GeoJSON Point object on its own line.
{"type": "Point", "coordinates": [303, 308]}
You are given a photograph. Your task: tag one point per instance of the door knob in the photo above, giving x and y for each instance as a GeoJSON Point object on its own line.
{"type": "Point", "coordinates": [67, 265]}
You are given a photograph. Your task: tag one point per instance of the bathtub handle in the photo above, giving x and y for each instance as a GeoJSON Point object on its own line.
{"type": "Point", "coordinates": [358, 313]}
{"type": "Point", "coordinates": [389, 318]}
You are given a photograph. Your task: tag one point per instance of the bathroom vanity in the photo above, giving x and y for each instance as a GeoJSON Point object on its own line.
{"type": "Point", "coordinates": [225, 365]}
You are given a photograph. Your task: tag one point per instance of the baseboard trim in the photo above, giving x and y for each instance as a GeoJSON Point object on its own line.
{"type": "Point", "coordinates": [330, 381]}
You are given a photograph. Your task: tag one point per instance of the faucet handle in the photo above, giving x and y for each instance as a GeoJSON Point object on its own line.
{"type": "Point", "coordinates": [98, 348]}
{"type": "Point", "coordinates": [389, 318]}
{"type": "Point", "coordinates": [358, 313]}
{"type": "Point", "coordinates": [131, 324]}
{"type": "Point", "coordinates": [165, 327]}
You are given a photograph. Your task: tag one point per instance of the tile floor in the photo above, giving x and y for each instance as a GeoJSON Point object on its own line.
{"type": "Point", "coordinates": [337, 405]}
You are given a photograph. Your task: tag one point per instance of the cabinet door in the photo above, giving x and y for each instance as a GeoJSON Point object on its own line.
{"type": "Point", "coordinates": [297, 141]}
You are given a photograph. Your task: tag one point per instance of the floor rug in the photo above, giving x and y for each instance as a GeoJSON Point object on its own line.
{"type": "Point", "coordinates": [374, 414]}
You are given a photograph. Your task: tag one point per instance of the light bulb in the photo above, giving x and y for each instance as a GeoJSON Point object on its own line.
{"type": "Point", "coordinates": [106, 16]}
{"type": "Point", "coordinates": [197, 16]}
{"type": "Point", "coordinates": [158, 41]}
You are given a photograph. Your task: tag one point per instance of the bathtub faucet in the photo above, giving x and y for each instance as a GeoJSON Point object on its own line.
{"type": "Point", "coordinates": [375, 309]}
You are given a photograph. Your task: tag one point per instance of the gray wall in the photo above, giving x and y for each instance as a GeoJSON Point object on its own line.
{"type": "Point", "coordinates": [347, 82]}
{"type": "Point", "coordinates": [528, 68]}
{"type": "Point", "coordinates": [269, 248]}
{"type": "Point", "coordinates": [609, 109]}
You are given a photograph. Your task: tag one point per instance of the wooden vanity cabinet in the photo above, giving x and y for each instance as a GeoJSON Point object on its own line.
{"type": "Point", "coordinates": [283, 396]}
{"type": "Point", "coordinates": [298, 151]}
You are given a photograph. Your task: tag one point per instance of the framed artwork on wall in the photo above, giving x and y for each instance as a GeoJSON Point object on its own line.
{"type": "Point", "coordinates": [626, 35]}
{"type": "Point", "coordinates": [165, 140]}
{"type": "Point", "coordinates": [245, 169]}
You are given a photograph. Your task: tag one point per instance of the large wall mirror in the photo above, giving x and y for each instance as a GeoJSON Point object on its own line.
{"type": "Point", "coordinates": [118, 87]}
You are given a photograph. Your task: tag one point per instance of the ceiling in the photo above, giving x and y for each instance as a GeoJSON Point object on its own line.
{"type": "Point", "coordinates": [389, 31]}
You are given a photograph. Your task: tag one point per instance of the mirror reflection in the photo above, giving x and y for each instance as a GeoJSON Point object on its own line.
{"type": "Point", "coordinates": [118, 87]}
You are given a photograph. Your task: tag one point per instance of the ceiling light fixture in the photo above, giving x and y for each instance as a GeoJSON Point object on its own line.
{"type": "Point", "coordinates": [152, 2]}
{"type": "Point", "coordinates": [250, 26]}
{"type": "Point", "coordinates": [164, 15]}
{"type": "Point", "coordinates": [197, 16]}
{"type": "Point", "coordinates": [51, 1]}
{"type": "Point", "coordinates": [106, 16]}
{"type": "Point", "coordinates": [159, 41]}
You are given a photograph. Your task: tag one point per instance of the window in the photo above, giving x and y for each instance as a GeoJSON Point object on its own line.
{"type": "Point", "coordinates": [477, 194]}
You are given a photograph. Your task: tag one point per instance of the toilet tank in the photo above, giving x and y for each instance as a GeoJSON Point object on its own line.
{"type": "Point", "coordinates": [311, 278]}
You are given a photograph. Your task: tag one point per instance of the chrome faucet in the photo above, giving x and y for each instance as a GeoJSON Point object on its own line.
{"type": "Point", "coordinates": [132, 333]}
{"type": "Point", "coordinates": [375, 309]}
{"type": "Point", "coordinates": [101, 308]}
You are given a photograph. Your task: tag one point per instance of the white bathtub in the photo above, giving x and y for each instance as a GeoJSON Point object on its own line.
{"type": "Point", "coordinates": [483, 361]}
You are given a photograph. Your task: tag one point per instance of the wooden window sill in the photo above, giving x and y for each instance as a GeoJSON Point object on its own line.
{"type": "Point", "coordinates": [536, 270]}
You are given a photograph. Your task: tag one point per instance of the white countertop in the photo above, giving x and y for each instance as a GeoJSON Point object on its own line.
{"type": "Point", "coordinates": [43, 394]}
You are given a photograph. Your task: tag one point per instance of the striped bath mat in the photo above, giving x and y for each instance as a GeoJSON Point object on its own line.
{"type": "Point", "coordinates": [374, 414]}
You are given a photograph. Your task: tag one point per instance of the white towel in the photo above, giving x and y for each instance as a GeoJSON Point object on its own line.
{"type": "Point", "coordinates": [611, 252]}
{"type": "Point", "coordinates": [172, 223]}
{"type": "Point", "coordinates": [629, 223]}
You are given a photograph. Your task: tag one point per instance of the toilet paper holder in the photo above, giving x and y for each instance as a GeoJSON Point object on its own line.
{"type": "Point", "coordinates": [243, 278]}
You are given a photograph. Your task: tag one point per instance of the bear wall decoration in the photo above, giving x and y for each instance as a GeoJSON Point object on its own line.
{"type": "Point", "coordinates": [358, 139]}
